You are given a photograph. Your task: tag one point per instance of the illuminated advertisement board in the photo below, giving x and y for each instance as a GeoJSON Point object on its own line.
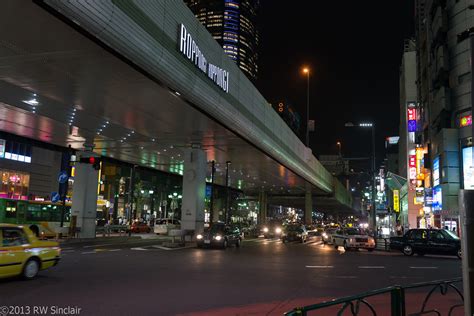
{"type": "Point", "coordinates": [465, 120]}
{"type": "Point", "coordinates": [468, 168]}
{"type": "Point", "coordinates": [437, 199]}
{"type": "Point", "coordinates": [411, 114]}
{"type": "Point", "coordinates": [436, 171]}
{"type": "Point", "coordinates": [412, 166]}
{"type": "Point", "coordinates": [411, 126]}
{"type": "Point", "coordinates": [396, 201]}
{"type": "Point", "coordinates": [2, 148]}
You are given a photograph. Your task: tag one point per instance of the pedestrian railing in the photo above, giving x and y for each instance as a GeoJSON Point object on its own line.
{"type": "Point", "coordinates": [416, 299]}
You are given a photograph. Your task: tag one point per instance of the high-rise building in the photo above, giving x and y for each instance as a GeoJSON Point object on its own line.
{"type": "Point", "coordinates": [408, 209]}
{"type": "Point", "coordinates": [443, 137]}
{"type": "Point", "coordinates": [232, 23]}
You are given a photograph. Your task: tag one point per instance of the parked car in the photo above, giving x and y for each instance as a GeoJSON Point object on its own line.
{"type": "Point", "coordinates": [219, 235]}
{"type": "Point", "coordinates": [21, 253]}
{"type": "Point", "coordinates": [353, 238]}
{"type": "Point", "coordinates": [327, 235]}
{"type": "Point", "coordinates": [138, 227]}
{"type": "Point", "coordinates": [294, 233]}
{"type": "Point", "coordinates": [427, 241]}
{"type": "Point", "coordinates": [163, 225]}
{"type": "Point", "coordinates": [273, 228]}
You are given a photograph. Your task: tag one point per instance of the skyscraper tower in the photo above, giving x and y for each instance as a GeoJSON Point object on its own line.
{"type": "Point", "coordinates": [232, 23]}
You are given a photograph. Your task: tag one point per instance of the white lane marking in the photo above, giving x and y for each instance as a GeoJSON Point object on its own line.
{"type": "Point", "coordinates": [320, 267]}
{"type": "Point", "coordinates": [87, 252]}
{"type": "Point", "coordinates": [177, 248]}
{"type": "Point", "coordinates": [138, 248]}
{"type": "Point", "coordinates": [115, 250]}
{"type": "Point", "coordinates": [371, 267]}
{"type": "Point", "coordinates": [423, 267]}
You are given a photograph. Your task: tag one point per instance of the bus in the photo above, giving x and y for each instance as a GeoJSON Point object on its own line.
{"type": "Point", "coordinates": [43, 217]}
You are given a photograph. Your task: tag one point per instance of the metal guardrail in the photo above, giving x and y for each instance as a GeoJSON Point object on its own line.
{"type": "Point", "coordinates": [398, 295]}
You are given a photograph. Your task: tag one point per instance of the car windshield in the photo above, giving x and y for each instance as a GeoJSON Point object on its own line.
{"type": "Point", "coordinates": [451, 234]}
{"type": "Point", "coordinates": [293, 228]}
{"type": "Point", "coordinates": [216, 229]}
{"type": "Point", "coordinates": [353, 231]}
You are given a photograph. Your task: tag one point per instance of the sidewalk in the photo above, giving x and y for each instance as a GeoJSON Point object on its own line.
{"type": "Point", "coordinates": [381, 304]}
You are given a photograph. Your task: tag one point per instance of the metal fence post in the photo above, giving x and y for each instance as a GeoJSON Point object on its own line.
{"type": "Point", "coordinates": [397, 301]}
{"type": "Point", "coordinates": [466, 212]}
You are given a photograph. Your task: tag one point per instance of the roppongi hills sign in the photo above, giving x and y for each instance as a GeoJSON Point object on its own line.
{"type": "Point", "coordinates": [189, 48]}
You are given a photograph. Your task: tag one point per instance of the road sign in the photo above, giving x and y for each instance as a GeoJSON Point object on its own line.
{"type": "Point", "coordinates": [63, 177]}
{"type": "Point", "coordinates": [55, 197]}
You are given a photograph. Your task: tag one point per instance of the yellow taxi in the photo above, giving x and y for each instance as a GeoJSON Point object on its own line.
{"type": "Point", "coordinates": [21, 253]}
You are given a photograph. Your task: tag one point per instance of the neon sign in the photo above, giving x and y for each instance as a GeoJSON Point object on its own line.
{"type": "Point", "coordinates": [465, 120]}
{"type": "Point", "coordinates": [411, 114]}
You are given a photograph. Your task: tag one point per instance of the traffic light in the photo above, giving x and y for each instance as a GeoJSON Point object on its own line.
{"type": "Point", "coordinates": [94, 161]}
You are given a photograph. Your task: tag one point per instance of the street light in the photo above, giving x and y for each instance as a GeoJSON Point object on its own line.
{"type": "Point", "coordinates": [226, 213]}
{"type": "Point", "coordinates": [339, 145]}
{"type": "Point", "coordinates": [373, 220]}
{"type": "Point", "coordinates": [307, 71]}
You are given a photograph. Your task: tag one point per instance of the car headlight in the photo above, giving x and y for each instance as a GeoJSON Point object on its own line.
{"type": "Point", "coordinates": [265, 229]}
{"type": "Point", "coordinates": [371, 241]}
{"type": "Point", "coordinates": [325, 235]}
{"type": "Point", "coordinates": [278, 230]}
{"type": "Point", "coordinates": [218, 237]}
{"type": "Point", "coordinates": [199, 236]}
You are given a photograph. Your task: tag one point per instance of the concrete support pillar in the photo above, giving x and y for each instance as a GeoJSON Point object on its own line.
{"type": "Point", "coordinates": [263, 207]}
{"type": "Point", "coordinates": [308, 205]}
{"type": "Point", "coordinates": [84, 199]}
{"type": "Point", "coordinates": [194, 190]}
{"type": "Point", "coordinates": [466, 210]}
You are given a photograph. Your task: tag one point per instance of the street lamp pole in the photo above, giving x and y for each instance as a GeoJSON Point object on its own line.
{"type": "Point", "coordinates": [306, 71]}
{"type": "Point", "coordinates": [226, 215]}
{"type": "Point", "coordinates": [374, 204]}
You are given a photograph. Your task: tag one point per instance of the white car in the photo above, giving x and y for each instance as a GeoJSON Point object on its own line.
{"type": "Point", "coordinates": [326, 236]}
{"type": "Point", "coordinates": [353, 238]}
{"type": "Point", "coordinates": [164, 225]}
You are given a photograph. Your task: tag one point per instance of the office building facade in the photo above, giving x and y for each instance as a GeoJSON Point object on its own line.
{"type": "Point", "coordinates": [233, 24]}
{"type": "Point", "coordinates": [442, 118]}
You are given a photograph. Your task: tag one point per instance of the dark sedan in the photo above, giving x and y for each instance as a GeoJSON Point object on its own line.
{"type": "Point", "coordinates": [294, 233]}
{"type": "Point", "coordinates": [219, 235]}
{"type": "Point", "coordinates": [427, 241]}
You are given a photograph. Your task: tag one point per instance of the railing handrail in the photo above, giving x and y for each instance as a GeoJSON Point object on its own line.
{"type": "Point", "coordinates": [362, 296]}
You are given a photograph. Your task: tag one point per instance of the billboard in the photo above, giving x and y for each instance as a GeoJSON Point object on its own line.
{"type": "Point", "coordinates": [468, 168]}
{"type": "Point", "coordinates": [437, 199]}
{"type": "Point", "coordinates": [436, 171]}
{"type": "Point", "coordinates": [2, 148]}
{"type": "Point", "coordinates": [396, 201]}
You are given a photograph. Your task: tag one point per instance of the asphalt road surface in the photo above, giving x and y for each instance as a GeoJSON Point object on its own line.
{"type": "Point", "coordinates": [263, 277]}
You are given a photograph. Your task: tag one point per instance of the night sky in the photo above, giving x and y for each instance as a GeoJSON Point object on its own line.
{"type": "Point", "coordinates": [354, 49]}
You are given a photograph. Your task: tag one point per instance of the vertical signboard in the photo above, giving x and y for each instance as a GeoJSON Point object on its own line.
{"type": "Point", "coordinates": [436, 171]}
{"type": "Point", "coordinates": [2, 148]}
{"type": "Point", "coordinates": [437, 199]}
{"type": "Point", "coordinates": [412, 166]}
{"type": "Point", "coordinates": [396, 201]}
{"type": "Point", "coordinates": [468, 168]}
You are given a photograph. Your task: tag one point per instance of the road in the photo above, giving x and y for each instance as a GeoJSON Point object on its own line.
{"type": "Point", "coordinates": [263, 277]}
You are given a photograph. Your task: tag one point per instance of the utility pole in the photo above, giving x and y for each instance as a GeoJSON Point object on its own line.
{"type": "Point", "coordinates": [374, 185]}
{"type": "Point", "coordinates": [211, 202]}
